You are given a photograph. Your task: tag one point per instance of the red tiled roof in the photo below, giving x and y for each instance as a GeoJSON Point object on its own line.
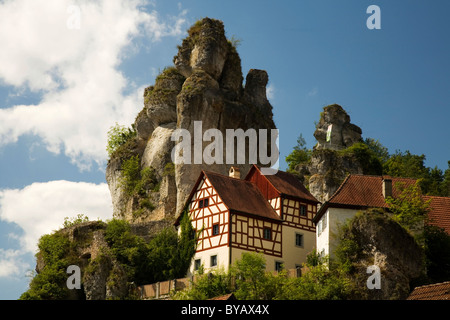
{"type": "Point", "coordinates": [366, 191]}
{"type": "Point", "coordinates": [241, 196]}
{"type": "Point", "coordinates": [362, 191]}
{"type": "Point", "coordinates": [290, 185]}
{"type": "Point", "coordinates": [439, 214]}
{"type": "Point", "coordinates": [437, 291]}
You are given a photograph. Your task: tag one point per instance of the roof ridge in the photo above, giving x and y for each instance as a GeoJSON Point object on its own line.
{"type": "Point", "coordinates": [441, 197]}
{"type": "Point", "coordinates": [224, 175]}
{"type": "Point", "coordinates": [433, 284]}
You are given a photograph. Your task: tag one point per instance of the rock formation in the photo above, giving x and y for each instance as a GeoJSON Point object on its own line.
{"type": "Point", "coordinates": [205, 84]}
{"type": "Point", "coordinates": [329, 163]}
{"type": "Point", "coordinates": [343, 133]}
{"type": "Point", "coordinates": [378, 240]}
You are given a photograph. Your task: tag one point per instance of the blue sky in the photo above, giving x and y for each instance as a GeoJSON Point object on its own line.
{"type": "Point", "coordinates": [62, 87]}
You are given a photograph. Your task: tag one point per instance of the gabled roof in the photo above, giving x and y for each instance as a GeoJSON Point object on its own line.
{"type": "Point", "coordinates": [437, 291]}
{"type": "Point", "coordinates": [287, 184]}
{"type": "Point", "coordinates": [241, 196]}
{"type": "Point", "coordinates": [439, 214]}
{"type": "Point", "coordinates": [362, 191]}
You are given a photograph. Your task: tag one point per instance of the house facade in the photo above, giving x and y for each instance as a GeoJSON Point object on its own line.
{"type": "Point", "coordinates": [268, 214]}
{"type": "Point", "coordinates": [356, 193]}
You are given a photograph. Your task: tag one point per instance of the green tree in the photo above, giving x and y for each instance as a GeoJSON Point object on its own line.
{"type": "Point", "coordinates": [249, 273]}
{"type": "Point", "coordinates": [378, 149]}
{"type": "Point", "coordinates": [320, 283]}
{"type": "Point", "coordinates": [131, 175]}
{"type": "Point", "coordinates": [80, 218]}
{"type": "Point", "coordinates": [166, 256]}
{"type": "Point", "coordinates": [437, 252]}
{"type": "Point", "coordinates": [117, 136]}
{"type": "Point", "coordinates": [50, 282]}
{"type": "Point", "coordinates": [366, 156]}
{"type": "Point", "coordinates": [130, 250]}
{"type": "Point", "coordinates": [186, 247]}
{"type": "Point", "coordinates": [409, 208]}
{"type": "Point", "coordinates": [207, 286]}
{"type": "Point", "coordinates": [300, 154]}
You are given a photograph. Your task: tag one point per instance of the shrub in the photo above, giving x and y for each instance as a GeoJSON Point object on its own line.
{"type": "Point", "coordinates": [117, 136]}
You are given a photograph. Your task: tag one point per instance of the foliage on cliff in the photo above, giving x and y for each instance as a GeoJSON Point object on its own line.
{"type": "Point", "coordinates": [124, 257]}
{"type": "Point", "coordinates": [375, 159]}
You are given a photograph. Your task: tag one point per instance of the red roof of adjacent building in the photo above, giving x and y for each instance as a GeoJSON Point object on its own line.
{"type": "Point", "coordinates": [439, 214]}
{"type": "Point", "coordinates": [437, 291]}
{"type": "Point", "coordinates": [362, 191]}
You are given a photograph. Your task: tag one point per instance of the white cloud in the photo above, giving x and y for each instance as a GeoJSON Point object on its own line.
{"type": "Point", "coordinates": [313, 92]}
{"type": "Point", "coordinates": [74, 69]}
{"type": "Point", "coordinates": [11, 263]}
{"type": "Point", "coordinates": [270, 92]}
{"type": "Point", "coordinates": [40, 208]}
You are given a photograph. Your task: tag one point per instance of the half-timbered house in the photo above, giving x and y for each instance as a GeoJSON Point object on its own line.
{"type": "Point", "coordinates": [268, 214]}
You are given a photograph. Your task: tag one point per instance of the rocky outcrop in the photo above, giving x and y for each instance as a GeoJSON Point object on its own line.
{"type": "Point", "coordinates": [329, 163]}
{"type": "Point", "coordinates": [205, 84]}
{"type": "Point", "coordinates": [103, 277]}
{"type": "Point", "coordinates": [343, 133]}
{"type": "Point", "coordinates": [380, 241]}
{"type": "Point", "coordinates": [327, 170]}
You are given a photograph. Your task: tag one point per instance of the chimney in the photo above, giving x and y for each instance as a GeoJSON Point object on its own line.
{"type": "Point", "coordinates": [235, 173]}
{"type": "Point", "coordinates": [387, 188]}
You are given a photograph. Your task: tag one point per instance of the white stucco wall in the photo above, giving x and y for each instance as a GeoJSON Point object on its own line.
{"type": "Point", "coordinates": [326, 237]}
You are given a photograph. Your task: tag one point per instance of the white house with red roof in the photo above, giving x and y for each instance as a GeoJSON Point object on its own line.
{"type": "Point", "coordinates": [356, 193]}
{"type": "Point", "coordinates": [361, 192]}
{"type": "Point", "coordinates": [268, 214]}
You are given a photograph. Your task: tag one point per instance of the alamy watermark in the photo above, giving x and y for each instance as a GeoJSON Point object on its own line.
{"type": "Point", "coordinates": [374, 280]}
{"type": "Point", "coordinates": [74, 280]}
{"type": "Point", "coordinates": [374, 21]}
{"type": "Point", "coordinates": [232, 150]}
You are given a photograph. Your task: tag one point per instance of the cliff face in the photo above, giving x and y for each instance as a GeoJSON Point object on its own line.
{"type": "Point", "coordinates": [205, 84]}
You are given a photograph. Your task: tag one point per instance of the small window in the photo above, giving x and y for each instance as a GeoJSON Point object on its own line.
{"type": "Point", "coordinates": [197, 264]}
{"type": "Point", "coordinates": [278, 266]}
{"type": "Point", "coordinates": [203, 203]}
{"type": "Point", "coordinates": [215, 230]}
{"type": "Point", "coordinates": [303, 211]}
{"type": "Point", "coordinates": [299, 240]}
{"type": "Point", "coordinates": [214, 261]}
{"type": "Point", "coordinates": [267, 234]}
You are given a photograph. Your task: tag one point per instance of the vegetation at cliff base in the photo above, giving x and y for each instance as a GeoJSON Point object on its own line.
{"type": "Point", "coordinates": [248, 279]}
{"type": "Point", "coordinates": [166, 256]}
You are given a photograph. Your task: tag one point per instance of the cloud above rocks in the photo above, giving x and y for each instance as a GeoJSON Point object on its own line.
{"type": "Point", "coordinates": [70, 56]}
{"type": "Point", "coordinates": [40, 208]}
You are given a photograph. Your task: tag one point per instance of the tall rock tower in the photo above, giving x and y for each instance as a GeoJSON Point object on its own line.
{"type": "Point", "coordinates": [205, 86]}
